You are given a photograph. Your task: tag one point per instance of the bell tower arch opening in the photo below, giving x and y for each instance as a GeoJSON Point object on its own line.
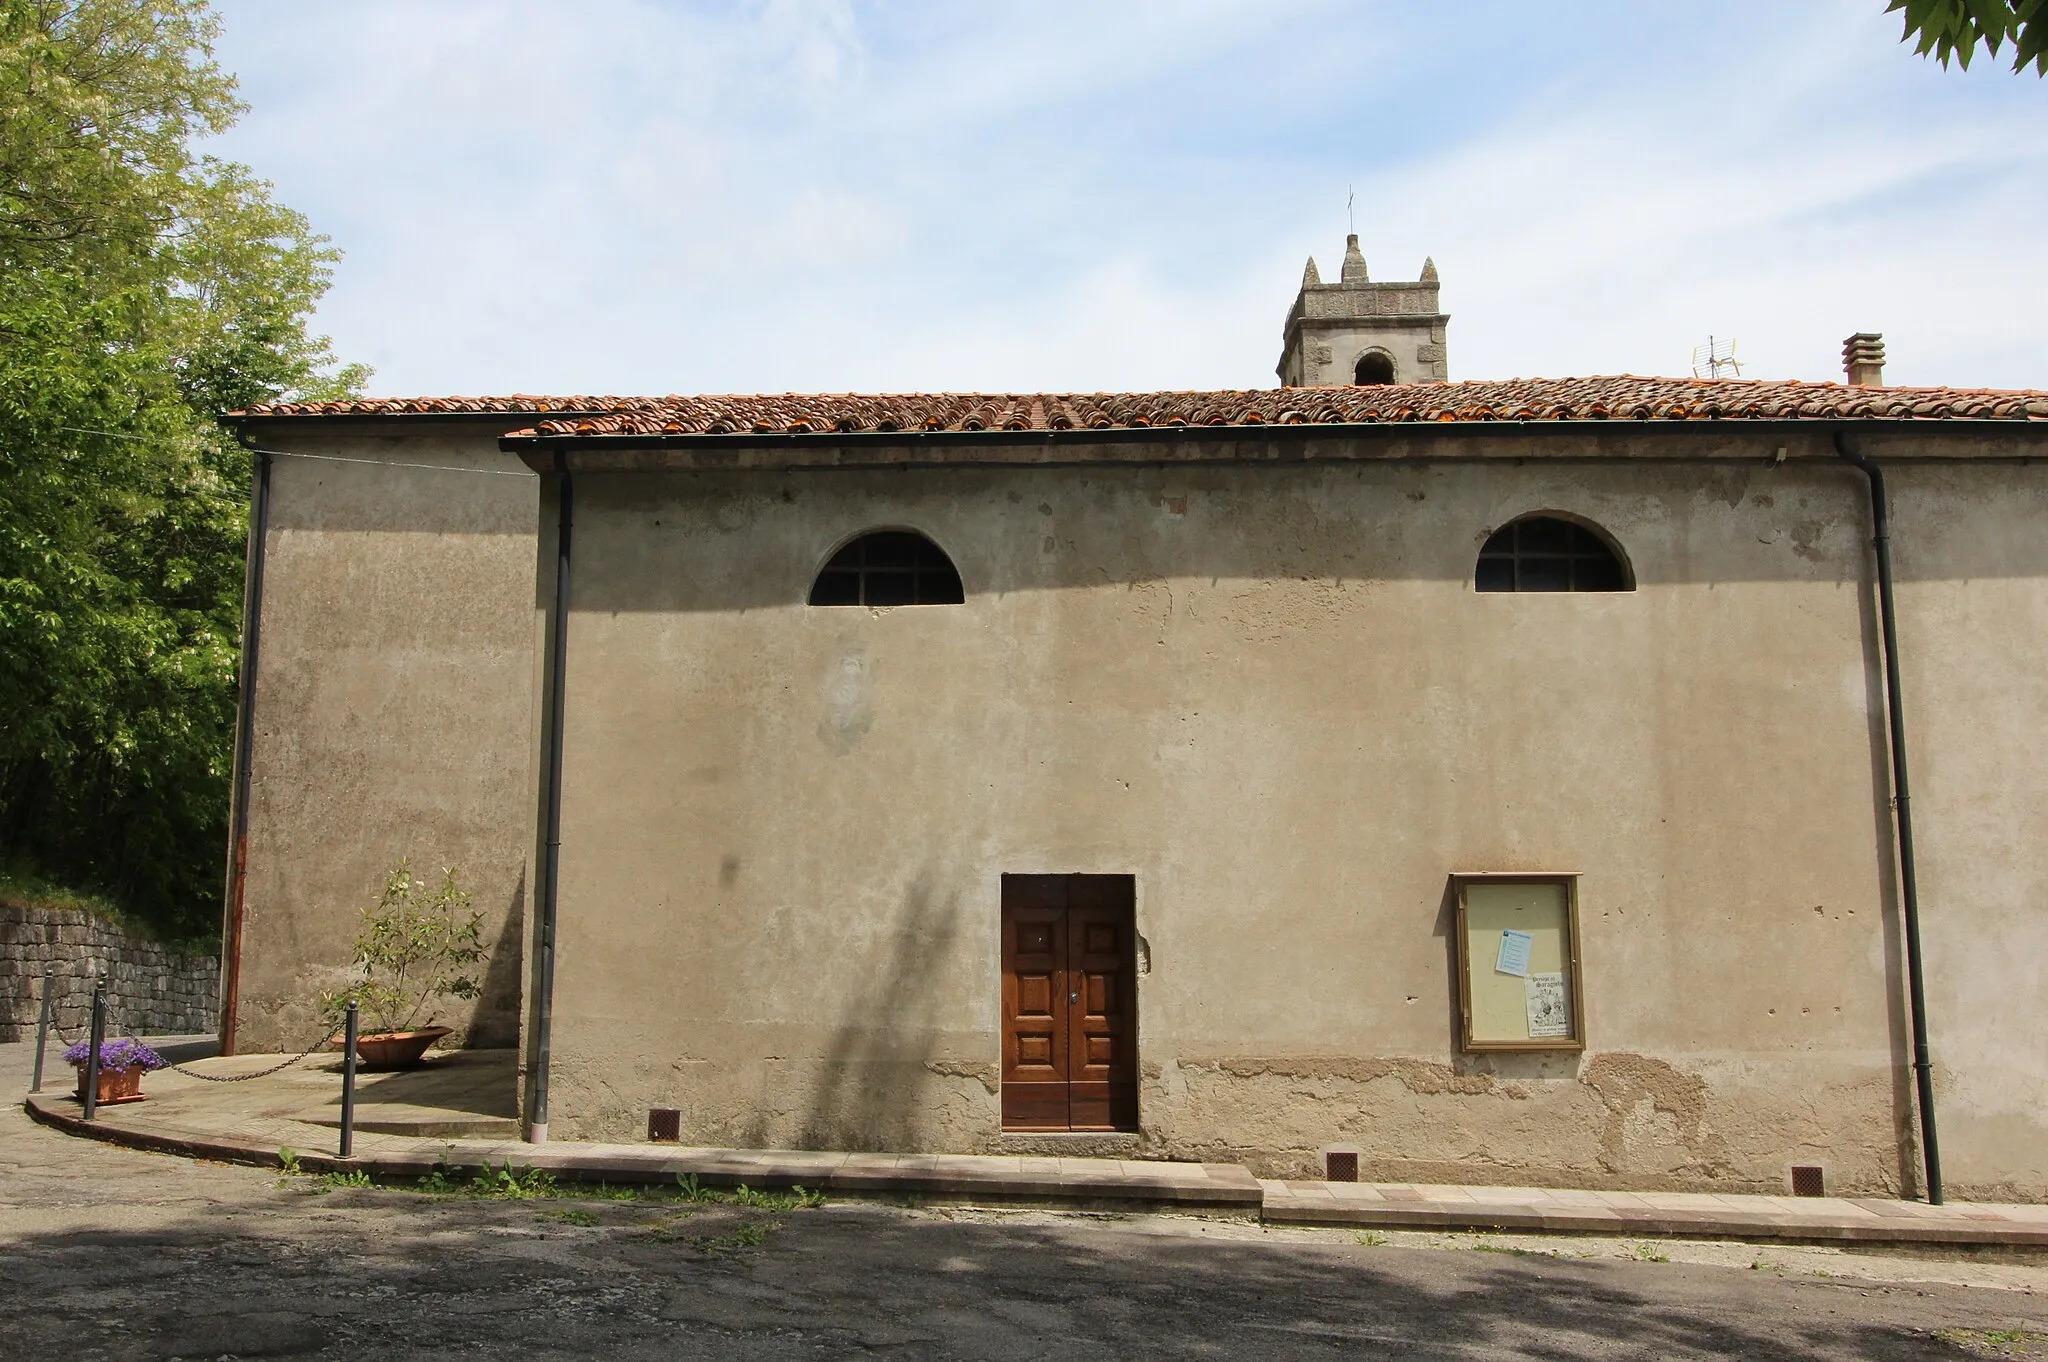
{"type": "Point", "coordinates": [1374, 366]}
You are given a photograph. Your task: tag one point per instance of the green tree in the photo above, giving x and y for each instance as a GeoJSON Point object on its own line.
{"type": "Point", "coordinates": [144, 289]}
{"type": "Point", "coordinates": [1957, 28]}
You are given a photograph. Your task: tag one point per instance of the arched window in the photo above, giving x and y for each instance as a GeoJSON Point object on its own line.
{"type": "Point", "coordinates": [1548, 553]}
{"type": "Point", "coordinates": [1374, 366]}
{"type": "Point", "coordinates": [889, 567]}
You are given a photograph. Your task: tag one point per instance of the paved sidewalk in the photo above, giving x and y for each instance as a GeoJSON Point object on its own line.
{"type": "Point", "coordinates": [456, 1114]}
{"type": "Point", "coordinates": [408, 1124]}
{"type": "Point", "coordinates": [1688, 1214]}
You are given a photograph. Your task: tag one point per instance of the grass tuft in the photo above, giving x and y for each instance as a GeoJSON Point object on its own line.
{"type": "Point", "coordinates": [354, 1177]}
{"type": "Point", "coordinates": [740, 1237]}
{"type": "Point", "coordinates": [512, 1184]}
{"type": "Point", "coordinates": [695, 1192]}
{"type": "Point", "coordinates": [1994, 1342]}
{"type": "Point", "coordinates": [796, 1198]}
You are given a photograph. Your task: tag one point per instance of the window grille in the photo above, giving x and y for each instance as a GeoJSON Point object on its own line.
{"type": "Point", "coordinates": [1545, 553]}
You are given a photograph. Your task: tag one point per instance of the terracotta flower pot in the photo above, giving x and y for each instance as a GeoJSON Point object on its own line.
{"type": "Point", "coordinates": [384, 1051]}
{"type": "Point", "coordinates": [116, 1085]}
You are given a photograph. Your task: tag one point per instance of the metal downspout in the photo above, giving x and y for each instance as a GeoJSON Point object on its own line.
{"type": "Point", "coordinates": [245, 757]}
{"type": "Point", "coordinates": [544, 934]}
{"type": "Point", "coordinates": [1909, 889]}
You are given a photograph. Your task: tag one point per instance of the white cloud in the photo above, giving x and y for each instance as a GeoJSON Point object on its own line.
{"type": "Point", "coordinates": [817, 194]}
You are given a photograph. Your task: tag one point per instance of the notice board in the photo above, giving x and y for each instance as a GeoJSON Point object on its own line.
{"type": "Point", "coordinates": [1518, 962]}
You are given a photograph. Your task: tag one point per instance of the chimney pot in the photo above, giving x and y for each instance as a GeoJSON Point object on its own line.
{"type": "Point", "coordinates": [1863, 359]}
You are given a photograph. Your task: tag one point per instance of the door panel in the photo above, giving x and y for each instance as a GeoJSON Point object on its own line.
{"type": "Point", "coordinates": [1035, 1008]}
{"type": "Point", "coordinates": [1102, 1025]}
{"type": "Point", "coordinates": [1070, 1023]}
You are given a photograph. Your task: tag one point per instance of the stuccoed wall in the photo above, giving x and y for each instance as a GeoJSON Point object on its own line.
{"type": "Point", "coordinates": [1271, 694]}
{"type": "Point", "coordinates": [1973, 626]}
{"type": "Point", "coordinates": [151, 991]}
{"type": "Point", "coordinates": [1267, 692]}
{"type": "Point", "coordinates": [393, 711]}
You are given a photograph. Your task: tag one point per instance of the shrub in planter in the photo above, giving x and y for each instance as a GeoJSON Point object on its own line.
{"type": "Point", "coordinates": [123, 1062]}
{"type": "Point", "coordinates": [418, 945]}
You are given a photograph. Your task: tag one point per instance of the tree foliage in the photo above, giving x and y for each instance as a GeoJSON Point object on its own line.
{"type": "Point", "coordinates": [144, 288]}
{"type": "Point", "coordinates": [1957, 28]}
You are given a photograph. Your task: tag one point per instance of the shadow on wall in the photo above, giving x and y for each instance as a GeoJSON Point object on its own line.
{"type": "Point", "coordinates": [494, 1014]}
{"type": "Point", "coordinates": [707, 542]}
{"type": "Point", "coordinates": [866, 1091]}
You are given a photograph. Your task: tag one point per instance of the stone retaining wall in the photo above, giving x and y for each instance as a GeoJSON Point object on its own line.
{"type": "Point", "coordinates": [151, 991]}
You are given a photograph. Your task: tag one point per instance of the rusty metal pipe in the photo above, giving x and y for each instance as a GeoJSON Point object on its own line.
{"type": "Point", "coordinates": [245, 741]}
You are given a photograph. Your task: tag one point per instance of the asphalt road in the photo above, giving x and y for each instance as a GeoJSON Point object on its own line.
{"type": "Point", "coordinates": [109, 1253]}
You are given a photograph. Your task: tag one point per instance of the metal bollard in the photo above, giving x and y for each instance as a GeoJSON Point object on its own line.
{"type": "Point", "coordinates": [348, 1082]}
{"type": "Point", "coordinates": [94, 1037]}
{"type": "Point", "coordinates": [42, 1032]}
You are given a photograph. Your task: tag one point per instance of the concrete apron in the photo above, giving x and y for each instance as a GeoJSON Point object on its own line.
{"type": "Point", "coordinates": [1217, 1189]}
{"type": "Point", "coordinates": [1187, 1188]}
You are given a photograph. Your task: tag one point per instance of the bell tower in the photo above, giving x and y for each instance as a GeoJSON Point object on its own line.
{"type": "Point", "coordinates": [1356, 331]}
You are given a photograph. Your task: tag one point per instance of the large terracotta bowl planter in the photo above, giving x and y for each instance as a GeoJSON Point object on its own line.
{"type": "Point", "coordinates": [388, 1050]}
{"type": "Point", "coordinates": [116, 1085]}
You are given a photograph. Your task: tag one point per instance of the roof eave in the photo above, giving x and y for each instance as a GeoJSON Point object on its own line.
{"type": "Point", "coordinates": [539, 450]}
{"type": "Point", "coordinates": [240, 420]}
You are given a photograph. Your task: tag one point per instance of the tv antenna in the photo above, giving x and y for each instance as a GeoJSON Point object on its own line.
{"type": "Point", "coordinates": [1715, 359]}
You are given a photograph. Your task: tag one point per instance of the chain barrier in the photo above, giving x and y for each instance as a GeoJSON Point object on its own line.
{"type": "Point", "coordinates": [323, 1042]}
{"type": "Point", "coordinates": [327, 1038]}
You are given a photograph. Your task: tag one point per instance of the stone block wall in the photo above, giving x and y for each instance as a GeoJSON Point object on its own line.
{"type": "Point", "coordinates": [151, 990]}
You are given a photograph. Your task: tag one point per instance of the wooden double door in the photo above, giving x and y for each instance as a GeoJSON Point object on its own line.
{"type": "Point", "coordinates": [1070, 1002]}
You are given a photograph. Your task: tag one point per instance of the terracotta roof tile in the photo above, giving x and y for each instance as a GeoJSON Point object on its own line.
{"type": "Point", "coordinates": [518, 404]}
{"type": "Point", "coordinates": [1623, 398]}
{"type": "Point", "coordinates": [1619, 398]}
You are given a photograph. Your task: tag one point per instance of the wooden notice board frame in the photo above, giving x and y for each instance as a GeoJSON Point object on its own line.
{"type": "Point", "coordinates": [1477, 941]}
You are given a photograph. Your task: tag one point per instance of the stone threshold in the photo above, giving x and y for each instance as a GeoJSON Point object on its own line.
{"type": "Point", "coordinates": [1119, 1184]}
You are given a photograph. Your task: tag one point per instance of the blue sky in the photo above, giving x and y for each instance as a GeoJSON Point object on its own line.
{"type": "Point", "coordinates": [649, 196]}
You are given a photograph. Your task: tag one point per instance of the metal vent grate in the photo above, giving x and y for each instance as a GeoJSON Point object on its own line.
{"type": "Point", "coordinates": [1340, 1166]}
{"type": "Point", "coordinates": [1807, 1180]}
{"type": "Point", "coordinates": [664, 1125]}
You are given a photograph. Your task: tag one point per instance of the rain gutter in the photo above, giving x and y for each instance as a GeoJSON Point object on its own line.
{"type": "Point", "coordinates": [1902, 813]}
{"type": "Point", "coordinates": [551, 848]}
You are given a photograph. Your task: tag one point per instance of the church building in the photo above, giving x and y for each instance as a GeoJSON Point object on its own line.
{"type": "Point", "coordinates": [1607, 782]}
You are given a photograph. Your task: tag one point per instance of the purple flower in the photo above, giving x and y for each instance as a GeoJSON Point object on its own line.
{"type": "Point", "coordinates": [117, 1056]}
